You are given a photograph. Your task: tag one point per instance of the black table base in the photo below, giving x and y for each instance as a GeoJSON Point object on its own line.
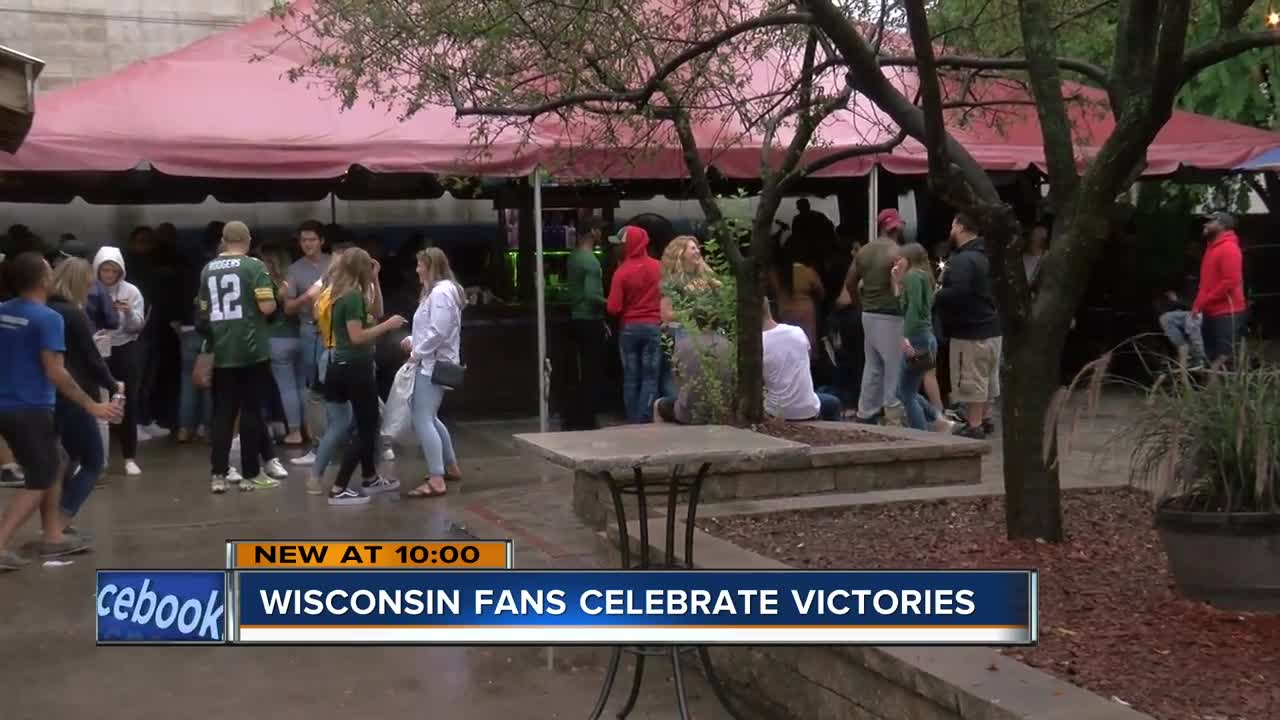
{"type": "Point", "coordinates": [642, 490]}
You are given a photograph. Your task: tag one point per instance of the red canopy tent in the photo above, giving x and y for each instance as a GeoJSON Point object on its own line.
{"type": "Point", "coordinates": [206, 111]}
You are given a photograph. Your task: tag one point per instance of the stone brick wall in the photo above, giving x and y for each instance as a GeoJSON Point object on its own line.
{"type": "Point", "coordinates": [82, 39]}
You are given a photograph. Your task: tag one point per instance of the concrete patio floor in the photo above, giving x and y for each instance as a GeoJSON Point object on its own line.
{"type": "Point", "coordinates": [168, 519]}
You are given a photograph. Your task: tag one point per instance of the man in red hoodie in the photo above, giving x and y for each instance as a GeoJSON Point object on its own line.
{"type": "Point", "coordinates": [1220, 299]}
{"type": "Point", "coordinates": [634, 298]}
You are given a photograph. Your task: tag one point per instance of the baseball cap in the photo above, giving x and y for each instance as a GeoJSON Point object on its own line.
{"type": "Point", "coordinates": [888, 220]}
{"type": "Point", "coordinates": [1225, 219]}
{"type": "Point", "coordinates": [620, 237]}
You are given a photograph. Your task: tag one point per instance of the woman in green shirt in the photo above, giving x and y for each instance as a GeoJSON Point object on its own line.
{"type": "Point", "coordinates": [913, 280]}
{"type": "Point", "coordinates": [350, 376]}
{"type": "Point", "coordinates": [286, 345]}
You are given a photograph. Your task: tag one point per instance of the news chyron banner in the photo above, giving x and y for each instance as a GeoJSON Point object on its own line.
{"type": "Point", "coordinates": [466, 593]}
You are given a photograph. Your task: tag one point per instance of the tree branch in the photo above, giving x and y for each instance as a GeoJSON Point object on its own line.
{"type": "Point", "coordinates": [930, 92]}
{"type": "Point", "coordinates": [840, 156]}
{"type": "Point", "coordinates": [643, 94]}
{"type": "Point", "coordinates": [1224, 47]}
{"type": "Point", "coordinates": [1046, 88]}
{"type": "Point", "coordinates": [961, 62]}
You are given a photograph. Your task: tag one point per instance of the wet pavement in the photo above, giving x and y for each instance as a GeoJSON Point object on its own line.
{"type": "Point", "coordinates": [50, 668]}
{"type": "Point", "coordinates": [168, 519]}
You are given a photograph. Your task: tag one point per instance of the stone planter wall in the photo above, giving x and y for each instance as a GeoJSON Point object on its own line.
{"type": "Point", "coordinates": [916, 459]}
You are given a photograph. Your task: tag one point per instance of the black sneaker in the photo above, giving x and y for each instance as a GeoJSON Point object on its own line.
{"type": "Point", "coordinates": [347, 496]}
{"type": "Point", "coordinates": [972, 433]}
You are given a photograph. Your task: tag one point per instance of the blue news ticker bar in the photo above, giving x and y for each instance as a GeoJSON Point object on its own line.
{"type": "Point", "coordinates": [191, 606]}
{"type": "Point", "coordinates": [161, 606]}
{"type": "Point", "coordinates": [999, 598]}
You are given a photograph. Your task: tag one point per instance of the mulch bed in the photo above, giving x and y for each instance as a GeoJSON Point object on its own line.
{"type": "Point", "coordinates": [1110, 618]}
{"type": "Point", "coordinates": [820, 437]}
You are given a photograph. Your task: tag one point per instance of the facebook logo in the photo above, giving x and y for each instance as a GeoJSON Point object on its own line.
{"type": "Point", "coordinates": [161, 606]}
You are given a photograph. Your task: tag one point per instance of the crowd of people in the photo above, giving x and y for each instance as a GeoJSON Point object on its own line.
{"type": "Point", "coordinates": [262, 345]}
{"type": "Point", "coordinates": [256, 330]}
{"type": "Point", "coordinates": [845, 325]}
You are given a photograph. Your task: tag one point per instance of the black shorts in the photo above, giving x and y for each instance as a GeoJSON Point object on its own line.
{"type": "Point", "coordinates": [33, 438]}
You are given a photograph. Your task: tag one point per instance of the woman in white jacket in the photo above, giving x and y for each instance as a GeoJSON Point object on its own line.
{"type": "Point", "coordinates": [437, 330]}
{"type": "Point", "coordinates": [125, 361]}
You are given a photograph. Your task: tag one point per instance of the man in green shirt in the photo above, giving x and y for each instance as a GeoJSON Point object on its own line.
{"type": "Point", "coordinates": [871, 282]}
{"type": "Point", "coordinates": [586, 329]}
{"type": "Point", "coordinates": [236, 299]}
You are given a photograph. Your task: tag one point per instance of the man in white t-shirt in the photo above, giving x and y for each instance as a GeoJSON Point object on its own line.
{"type": "Point", "coordinates": [788, 383]}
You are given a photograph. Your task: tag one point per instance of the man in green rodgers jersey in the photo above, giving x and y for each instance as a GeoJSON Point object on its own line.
{"type": "Point", "coordinates": [236, 298]}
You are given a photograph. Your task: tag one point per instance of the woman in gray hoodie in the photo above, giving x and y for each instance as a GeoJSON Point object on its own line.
{"type": "Point", "coordinates": [125, 363]}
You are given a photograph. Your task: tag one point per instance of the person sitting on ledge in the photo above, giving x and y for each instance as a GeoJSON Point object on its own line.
{"type": "Point", "coordinates": [788, 381]}
{"type": "Point", "coordinates": [696, 387]}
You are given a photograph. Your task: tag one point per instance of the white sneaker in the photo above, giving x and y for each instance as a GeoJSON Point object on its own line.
{"type": "Point", "coordinates": [945, 426]}
{"type": "Point", "coordinates": [217, 484]}
{"type": "Point", "coordinates": [143, 435]}
{"type": "Point", "coordinates": [275, 470]}
{"type": "Point", "coordinates": [131, 468]}
{"type": "Point", "coordinates": [155, 431]}
{"type": "Point", "coordinates": [304, 461]}
{"type": "Point", "coordinates": [233, 475]}
{"type": "Point", "coordinates": [388, 455]}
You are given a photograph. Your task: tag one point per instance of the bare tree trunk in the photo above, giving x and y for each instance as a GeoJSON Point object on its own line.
{"type": "Point", "coordinates": [1030, 378]}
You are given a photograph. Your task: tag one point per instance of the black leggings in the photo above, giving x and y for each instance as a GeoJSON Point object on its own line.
{"type": "Point", "coordinates": [126, 365]}
{"type": "Point", "coordinates": [354, 382]}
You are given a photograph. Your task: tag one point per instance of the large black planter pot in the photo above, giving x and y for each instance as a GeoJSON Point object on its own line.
{"type": "Point", "coordinates": [1231, 560]}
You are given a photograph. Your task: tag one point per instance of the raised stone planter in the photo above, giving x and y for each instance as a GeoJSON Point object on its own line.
{"type": "Point", "coordinates": [915, 459]}
{"type": "Point", "coordinates": [829, 682]}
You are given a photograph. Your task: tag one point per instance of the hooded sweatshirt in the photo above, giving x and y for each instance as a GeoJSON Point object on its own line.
{"type": "Point", "coordinates": [1221, 278]}
{"type": "Point", "coordinates": [635, 295]}
{"type": "Point", "coordinates": [133, 319]}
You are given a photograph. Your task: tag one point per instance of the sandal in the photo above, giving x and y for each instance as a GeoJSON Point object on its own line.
{"type": "Point", "coordinates": [425, 491]}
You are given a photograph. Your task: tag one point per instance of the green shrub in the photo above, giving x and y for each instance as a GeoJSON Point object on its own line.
{"type": "Point", "coordinates": [1210, 442]}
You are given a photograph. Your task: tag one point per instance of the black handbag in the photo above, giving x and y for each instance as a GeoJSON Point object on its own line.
{"type": "Point", "coordinates": [921, 362]}
{"type": "Point", "coordinates": [449, 375]}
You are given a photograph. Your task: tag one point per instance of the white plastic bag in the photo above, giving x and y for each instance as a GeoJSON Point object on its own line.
{"type": "Point", "coordinates": [397, 415]}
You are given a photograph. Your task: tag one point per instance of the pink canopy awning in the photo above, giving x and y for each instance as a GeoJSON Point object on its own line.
{"type": "Point", "coordinates": [206, 110]}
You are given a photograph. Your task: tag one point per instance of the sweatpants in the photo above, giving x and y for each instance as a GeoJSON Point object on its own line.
{"type": "Point", "coordinates": [882, 369]}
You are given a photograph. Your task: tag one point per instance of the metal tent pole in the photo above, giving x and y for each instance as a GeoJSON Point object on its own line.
{"type": "Point", "coordinates": [873, 202]}
{"type": "Point", "coordinates": [541, 285]}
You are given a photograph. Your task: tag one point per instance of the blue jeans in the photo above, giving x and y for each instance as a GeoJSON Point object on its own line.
{"type": "Point", "coordinates": [641, 348]}
{"type": "Point", "coordinates": [437, 445]}
{"type": "Point", "coordinates": [919, 412]}
{"type": "Point", "coordinates": [829, 407]}
{"type": "Point", "coordinates": [339, 420]}
{"type": "Point", "coordinates": [309, 347]}
{"type": "Point", "coordinates": [78, 431]}
{"type": "Point", "coordinates": [286, 368]}
{"type": "Point", "coordinates": [195, 407]}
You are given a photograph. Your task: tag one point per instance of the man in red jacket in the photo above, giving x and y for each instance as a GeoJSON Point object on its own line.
{"type": "Point", "coordinates": [634, 298]}
{"type": "Point", "coordinates": [1220, 299]}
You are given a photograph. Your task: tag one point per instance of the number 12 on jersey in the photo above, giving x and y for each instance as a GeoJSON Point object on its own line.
{"type": "Point", "coordinates": [224, 297]}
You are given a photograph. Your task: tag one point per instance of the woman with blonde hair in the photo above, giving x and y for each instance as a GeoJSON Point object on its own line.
{"type": "Point", "coordinates": [77, 429]}
{"type": "Point", "coordinates": [437, 332]}
{"type": "Point", "coordinates": [355, 300]}
{"type": "Point", "coordinates": [685, 273]}
{"type": "Point", "coordinates": [912, 277]}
